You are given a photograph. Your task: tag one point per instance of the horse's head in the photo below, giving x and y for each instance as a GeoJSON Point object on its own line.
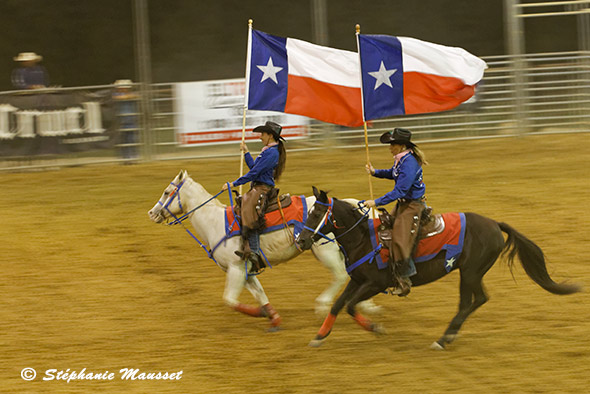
{"type": "Point", "coordinates": [317, 222]}
{"type": "Point", "coordinates": [169, 204]}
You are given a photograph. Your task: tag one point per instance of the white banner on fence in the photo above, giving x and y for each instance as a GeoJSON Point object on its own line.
{"type": "Point", "coordinates": [210, 112]}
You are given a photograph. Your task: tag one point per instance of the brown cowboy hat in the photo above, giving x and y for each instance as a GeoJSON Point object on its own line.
{"type": "Point", "coordinates": [270, 128]}
{"type": "Point", "coordinates": [397, 136]}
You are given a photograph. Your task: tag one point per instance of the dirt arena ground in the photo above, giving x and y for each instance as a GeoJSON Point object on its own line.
{"type": "Point", "coordinates": [88, 281]}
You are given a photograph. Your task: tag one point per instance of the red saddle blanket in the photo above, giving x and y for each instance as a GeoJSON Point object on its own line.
{"type": "Point", "coordinates": [450, 239]}
{"type": "Point", "coordinates": [295, 214]}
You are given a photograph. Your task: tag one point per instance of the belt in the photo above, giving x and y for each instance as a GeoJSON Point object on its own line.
{"type": "Point", "coordinates": [408, 200]}
{"type": "Point", "coordinates": [256, 183]}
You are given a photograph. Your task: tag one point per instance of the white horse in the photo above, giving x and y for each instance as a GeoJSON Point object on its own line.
{"type": "Point", "coordinates": [207, 216]}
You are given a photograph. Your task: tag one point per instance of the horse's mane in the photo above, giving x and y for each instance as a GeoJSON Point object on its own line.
{"type": "Point", "coordinates": [356, 220]}
{"type": "Point", "coordinates": [355, 213]}
{"type": "Point", "coordinates": [353, 202]}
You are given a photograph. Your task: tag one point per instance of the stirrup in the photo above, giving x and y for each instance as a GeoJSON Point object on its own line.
{"type": "Point", "coordinates": [257, 266]}
{"type": "Point", "coordinates": [246, 256]}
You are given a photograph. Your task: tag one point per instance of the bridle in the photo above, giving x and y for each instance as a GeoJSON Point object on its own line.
{"type": "Point", "coordinates": [178, 220]}
{"type": "Point", "coordinates": [176, 194]}
{"type": "Point", "coordinates": [328, 217]}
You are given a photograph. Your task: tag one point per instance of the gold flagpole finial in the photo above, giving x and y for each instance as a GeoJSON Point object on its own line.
{"type": "Point", "coordinates": [250, 22]}
{"type": "Point", "coordinates": [358, 28]}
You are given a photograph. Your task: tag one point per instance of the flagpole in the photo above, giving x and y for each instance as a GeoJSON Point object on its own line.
{"type": "Point", "coordinates": [358, 31]}
{"type": "Point", "coordinates": [368, 161]}
{"type": "Point", "coordinates": [247, 84]}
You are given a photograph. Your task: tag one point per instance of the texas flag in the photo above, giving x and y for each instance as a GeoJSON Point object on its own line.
{"type": "Point", "coordinates": [402, 76]}
{"type": "Point", "coordinates": [297, 77]}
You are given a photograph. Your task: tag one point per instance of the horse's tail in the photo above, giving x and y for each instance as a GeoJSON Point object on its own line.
{"type": "Point", "coordinates": [533, 261]}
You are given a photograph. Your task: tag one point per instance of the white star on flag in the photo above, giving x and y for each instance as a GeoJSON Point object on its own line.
{"type": "Point", "coordinates": [382, 76]}
{"type": "Point", "coordinates": [270, 71]}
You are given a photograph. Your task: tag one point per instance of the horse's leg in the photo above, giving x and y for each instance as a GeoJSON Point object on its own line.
{"type": "Point", "coordinates": [473, 296]}
{"type": "Point", "coordinates": [364, 292]}
{"type": "Point", "coordinates": [234, 284]}
{"type": "Point", "coordinates": [331, 318]}
{"type": "Point", "coordinates": [465, 302]}
{"type": "Point", "coordinates": [472, 292]}
{"type": "Point", "coordinates": [483, 245]}
{"type": "Point", "coordinates": [255, 288]}
{"type": "Point", "coordinates": [329, 255]}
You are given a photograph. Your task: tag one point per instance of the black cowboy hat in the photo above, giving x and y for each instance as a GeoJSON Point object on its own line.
{"type": "Point", "coordinates": [397, 136]}
{"type": "Point", "coordinates": [270, 128]}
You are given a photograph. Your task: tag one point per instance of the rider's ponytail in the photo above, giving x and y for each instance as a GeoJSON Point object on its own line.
{"type": "Point", "coordinates": [282, 160]}
{"type": "Point", "coordinates": [419, 155]}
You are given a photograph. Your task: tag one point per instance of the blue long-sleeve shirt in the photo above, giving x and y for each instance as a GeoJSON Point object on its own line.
{"type": "Point", "coordinates": [407, 174]}
{"type": "Point", "coordinates": [261, 169]}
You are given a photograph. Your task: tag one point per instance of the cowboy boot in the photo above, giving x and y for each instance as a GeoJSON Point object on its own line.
{"type": "Point", "coordinates": [255, 257]}
{"type": "Point", "coordinates": [403, 284]}
{"type": "Point", "coordinates": [395, 278]}
{"type": "Point", "coordinates": [245, 252]}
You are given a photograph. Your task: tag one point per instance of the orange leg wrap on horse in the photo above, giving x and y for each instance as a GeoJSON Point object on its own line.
{"type": "Point", "coordinates": [363, 322]}
{"type": "Point", "coordinates": [250, 310]}
{"type": "Point", "coordinates": [326, 327]}
{"type": "Point", "coordinates": [275, 318]}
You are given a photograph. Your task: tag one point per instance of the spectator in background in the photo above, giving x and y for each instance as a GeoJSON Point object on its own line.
{"type": "Point", "coordinates": [29, 74]}
{"type": "Point", "coordinates": [127, 116]}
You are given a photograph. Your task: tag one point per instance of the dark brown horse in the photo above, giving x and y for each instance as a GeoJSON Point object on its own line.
{"type": "Point", "coordinates": [483, 244]}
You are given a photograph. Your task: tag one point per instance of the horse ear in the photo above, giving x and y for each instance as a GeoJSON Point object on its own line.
{"type": "Point", "coordinates": [180, 175]}
{"type": "Point", "coordinates": [316, 192]}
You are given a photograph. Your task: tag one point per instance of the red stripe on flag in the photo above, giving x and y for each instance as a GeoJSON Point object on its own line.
{"type": "Point", "coordinates": [432, 93]}
{"type": "Point", "coordinates": [323, 101]}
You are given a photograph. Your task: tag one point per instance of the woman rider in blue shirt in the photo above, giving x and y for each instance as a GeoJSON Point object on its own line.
{"type": "Point", "coordinates": [264, 171]}
{"type": "Point", "coordinates": [409, 193]}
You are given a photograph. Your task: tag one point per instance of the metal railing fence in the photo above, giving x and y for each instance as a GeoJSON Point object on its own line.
{"type": "Point", "coordinates": [552, 95]}
{"type": "Point", "coordinates": [555, 92]}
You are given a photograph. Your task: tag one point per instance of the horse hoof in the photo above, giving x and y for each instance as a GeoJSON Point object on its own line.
{"type": "Point", "coordinates": [437, 346]}
{"type": "Point", "coordinates": [378, 329]}
{"type": "Point", "coordinates": [274, 329]}
{"type": "Point", "coordinates": [316, 342]}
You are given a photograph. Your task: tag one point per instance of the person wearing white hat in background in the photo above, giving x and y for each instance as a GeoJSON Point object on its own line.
{"type": "Point", "coordinates": [29, 74]}
{"type": "Point", "coordinates": [127, 118]}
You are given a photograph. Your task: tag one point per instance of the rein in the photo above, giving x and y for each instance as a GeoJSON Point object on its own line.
{"type": "Point", "coordinates": [368, 257]}
{"type": "Point", "coordinates": [327, 217]}
{"type": "Point", "coordinates": [180, 220]}
{"type": "Point", "coordinates": [176, 194]}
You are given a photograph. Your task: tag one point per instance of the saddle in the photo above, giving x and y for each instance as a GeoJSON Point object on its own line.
{"type": "Point", "coordinates": [430, 225]}
{"type": "Point", "coordinates": [272, 201]}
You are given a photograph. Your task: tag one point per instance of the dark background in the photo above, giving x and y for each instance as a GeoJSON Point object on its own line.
{"type": "Point", "coordinates": [91, 42]}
